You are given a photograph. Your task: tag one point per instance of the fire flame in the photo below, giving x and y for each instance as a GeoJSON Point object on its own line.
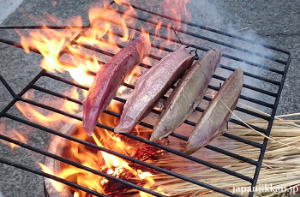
{"type": "Point", "coordinates": [100, 35]}
{"type": "Point", "coordinates": [58, 186]}
{"type": "Point", "coordinates": [35, 115]}
{"type": "Point", "coordinates": [211, 94]}
{"type": "Point", "coordinates": [101, 160]}
{"type": "Point", "coordinates": [81, 63]}
{"type": "Point", "coordinates": [130, 79]}
{"type": "Point", "coordinates": [20, 137]}
{"type": "Point", "coordinates": [12, 134]}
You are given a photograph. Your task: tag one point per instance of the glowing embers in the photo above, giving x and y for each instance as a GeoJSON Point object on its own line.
{"type": "Point", "coordinates": [105, 162]}
{"type": "Point", "coordinates": [102, 35]}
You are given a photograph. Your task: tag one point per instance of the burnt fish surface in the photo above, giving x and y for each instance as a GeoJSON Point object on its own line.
{"type": "Point", "coordinates": [109, 78]}
{"type": "Point", "coordinates": [213, 121]}
{"type": "Point", "coordinates": [151, 86]}
{"type": "Point", "coordinates": [187, 95]}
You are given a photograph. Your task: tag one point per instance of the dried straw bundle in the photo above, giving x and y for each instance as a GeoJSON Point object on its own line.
{"type": "Point", "coordinates": [280, 169]}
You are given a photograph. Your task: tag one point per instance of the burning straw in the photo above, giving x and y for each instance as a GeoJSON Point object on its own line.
{"type": "Point", "coordinates": [281, 164]}
{"type": "Point", "coordinates": [280, 168]}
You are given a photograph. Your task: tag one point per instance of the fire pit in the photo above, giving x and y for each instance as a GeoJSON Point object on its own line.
{"type": "Point", "coordinates": [259, 61]}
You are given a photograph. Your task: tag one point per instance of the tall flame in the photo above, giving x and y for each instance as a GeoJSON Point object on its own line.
{"type": "Point", "coordinates": [81, 64]}
{"type": "Point", "coordinates": [101, 160]}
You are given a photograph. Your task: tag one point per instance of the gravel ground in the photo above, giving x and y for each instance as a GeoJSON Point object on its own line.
{"type": "Point", "coordinates": [274, 22]}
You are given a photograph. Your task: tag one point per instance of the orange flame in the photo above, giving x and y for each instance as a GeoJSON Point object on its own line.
{"type": "Point", "coordinates": [157, 28]}
{"type": "Point", "coordinates": [80, 62]}
{"type": "Point", "coordinates": [12, 134]}
{"type": "Point", "coordinates": [100, 160]}
{"type": "Point", "coordinates": [177, 10]}
{"type": "Point", "coordinates": [51, 44]}
{"type": "Point", "coordinates": [76, 194]}
{"type": "Point", "coordinates": [213, 94]}
{"type": "Point", "coordinates": [20, 138]}
{"type": "Point", "coordinates": [80, 74]}
{"type": "Point", "coordinates": [131, 78]}
{"type": "Point", "coordinates": [57, 185]}
{"type": "Point", "coordinates": [36, 115]}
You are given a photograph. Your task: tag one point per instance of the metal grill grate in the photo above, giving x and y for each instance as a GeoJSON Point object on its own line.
{"type": "Point", "coordinates": [276, 64]}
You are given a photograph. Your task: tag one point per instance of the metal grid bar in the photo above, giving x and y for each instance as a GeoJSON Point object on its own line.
{"type": "Point", "coordinates": [140, 139]}
{"type": "Point", "coordinates": [157, 112]}
{"type": "Point", "coordinates": [157, 58]}
{"type": "Point", "coordinates": [258, 163]}
{"type": "Point", "coordinates": [193, 45]}
{"type": "Point", "coordinates": [79, 165]}
{"type": "Point", "coordinates": [212, 30]}
{"type": "Point", "coordinates": [263, 150]}
{"type": "Point", "coordinates": [170, 50]}
{"type": "Point", "coordinates": [46, 174]}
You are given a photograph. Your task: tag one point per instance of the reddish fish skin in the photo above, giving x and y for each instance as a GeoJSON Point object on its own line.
{"type": "Point", "coordinates": [109, 78]}
{"type": "Point", "coordinates": [151, 86]}
{"type": "Point", "coordinates": [187, 95]}
{"type": "Point", "coordinates": [213, 121]}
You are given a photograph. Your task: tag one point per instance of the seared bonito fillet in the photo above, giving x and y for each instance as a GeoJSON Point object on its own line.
{"type": "Point", "coordinates": [187, 95]}
{"type": "Point", "coordinates": [109, 78]}
{"type": "Point", "coordinates": [215, 118]}
{"type": "Point", "coordinates": [151, 86]}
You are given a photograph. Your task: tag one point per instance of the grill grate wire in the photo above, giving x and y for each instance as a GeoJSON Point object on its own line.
{"type": "Point", "coordinates": [43, 73]}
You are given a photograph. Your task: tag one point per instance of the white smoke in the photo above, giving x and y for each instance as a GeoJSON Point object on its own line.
{"type": "Point", "coordinates": [211, 14]}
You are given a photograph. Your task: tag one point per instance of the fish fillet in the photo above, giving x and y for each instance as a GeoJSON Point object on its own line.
{"type": "Point", "coordinates": [214, 119]}
{"type": "Point", "coordinates": [109, 78]}
{"type": "Point", "coordinates": [151, 86]}
{"type": "Point", "coordinates": [187, 95]}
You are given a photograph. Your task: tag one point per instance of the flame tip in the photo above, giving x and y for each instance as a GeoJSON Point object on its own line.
{"type": "Point", "coordinates": [101, 36]}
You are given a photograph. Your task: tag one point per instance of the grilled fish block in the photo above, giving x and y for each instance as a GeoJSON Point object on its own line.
{"type": "Point", "coordinates": [109, 78]}
{"type": "Point", "coordinates": [187, 95]}
{"type": "Point", "coordinates": [214, 120]}
{"type": "Point", "coordinates": [151, 86]}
